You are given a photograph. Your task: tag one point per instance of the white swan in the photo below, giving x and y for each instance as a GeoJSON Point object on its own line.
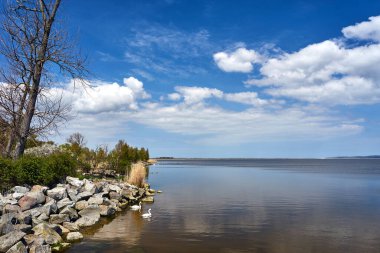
{"type": "Point", "coordinates": [147, 215]}
{"type": "Point", "coordinates": [136, 207]}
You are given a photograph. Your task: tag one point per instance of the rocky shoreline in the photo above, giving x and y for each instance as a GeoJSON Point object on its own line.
{"type": "Point", "coordinates": [42, 220]}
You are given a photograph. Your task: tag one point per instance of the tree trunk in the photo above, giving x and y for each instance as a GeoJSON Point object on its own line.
{"type": "Point", "coordinates": [37, 73]}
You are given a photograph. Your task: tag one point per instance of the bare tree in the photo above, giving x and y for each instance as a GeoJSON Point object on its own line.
{"type": "Point", "coordinates": [77, 139]}
{"type": "Point", "coordinates": [36, 50]}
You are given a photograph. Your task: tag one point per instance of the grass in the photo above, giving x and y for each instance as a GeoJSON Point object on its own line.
{"type": "Point", "coordinates": [137, 175]}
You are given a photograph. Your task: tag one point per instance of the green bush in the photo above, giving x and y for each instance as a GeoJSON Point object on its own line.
{"type": "Point", "coordinates": [32, 170]}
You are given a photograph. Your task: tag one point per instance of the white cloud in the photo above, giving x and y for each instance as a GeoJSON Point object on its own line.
{"type": "Point", "coordinates": [241, 60]}
{"type": "Point", "coordinates": [367, 30]}
{"type": "Point", "coordinates": [99, 96]}
{"type": "Point", "coordinates": [174, 96]}
{"type": "Point", "coordinates": [329, 72]}
{"type": "Point", "coordinates": [193, 95]}
{"type": "Point", "coordinates": [249, 98]}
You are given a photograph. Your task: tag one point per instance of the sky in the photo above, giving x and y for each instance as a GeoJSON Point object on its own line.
{"type": "Point", "coordinates": [228, 78]}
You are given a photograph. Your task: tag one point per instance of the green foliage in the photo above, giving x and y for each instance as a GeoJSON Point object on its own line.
{"type": "Point", "coordinates": [33, 170]}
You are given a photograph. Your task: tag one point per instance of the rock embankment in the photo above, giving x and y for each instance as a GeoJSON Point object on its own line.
{"type": "Point", "coordinates": [40, 220]}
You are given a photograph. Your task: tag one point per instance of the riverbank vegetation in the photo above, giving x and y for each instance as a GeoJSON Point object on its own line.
{"type": "Point", "coordinates": [47, 164]}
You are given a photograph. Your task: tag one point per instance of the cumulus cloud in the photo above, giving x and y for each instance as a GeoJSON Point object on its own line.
{"type": "Point", "coordinates": [241, 60]}
{"type": "Point", "coordinates": [329, 72]}
{"type": "Point", "coordinates": [99, 96]}
{"type": "Point", "coordinates": [367, 30]}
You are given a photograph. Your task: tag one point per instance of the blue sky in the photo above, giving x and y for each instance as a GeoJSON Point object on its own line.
{"type": "Point", "coordinates": [229, 78]}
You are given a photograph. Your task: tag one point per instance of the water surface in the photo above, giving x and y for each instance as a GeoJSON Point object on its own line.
{"type": "Point", "coordinates": [252, 205]}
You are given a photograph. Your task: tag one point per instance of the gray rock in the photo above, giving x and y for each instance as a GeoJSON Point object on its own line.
{"type": "Point", "coordinates": [74, 182]}
{"type": "Point", "coordinates": [31, 199]}
{"type": "Point", "coordinates": [115, 195]}
{"type": "Point", "coordinates": [57, 193]}
{"type": "Point", "coordinates": [80, 205]}
{"type": "Point", "coordinates": [149, 199]}
{"type": "Point", "coordinates": [10, 239]}
{"type": "Point", "coordinates": [17, 195]}
{"type": "Point", "coordinates": [95, 200]}
{"type": "Point", "coordinates": [40, 249]}
{"type": "Point", "coordinates": [18, 248]}
{"type": "Point", "coordinates": [39, 188]}
{"type": "Point", "coordinates": [59, 218]}
{"type": "Point", "coordinates": [71, 212]}
{"type": "Point", "coordinates": [43, 217]}
{"type": "Point", "coordinates": [72, 193]}
{"type": "Point", "coordinates": [71, 226]}
{"type": "Point", "coordinates": [50, 207]}
{"type": "Point", "coordinates": [89, 216]}
{"type": "Point", "coordinates": [36, 221]}
{"type": "Point", "coordinates": [19, 189]}
{"type": "Point", "coordinates": [23, 227]}
{"type": "Point", "coordinates": [84, 195]}
{"type": "Point", "coordinates": [64, 202]}
{"type": "Point", "coordinates": [114, 188]}
{"type": "Point", "coordinates": [89, 187]}
{"type": "Point", "coordinates": [74, 236]}
{"type": "Point", "coordinates": [33, 239]}
{"type": "Point", "coordinates": [48, 234]}
{"type": "Point", "coordinates": [24, 218]}
{"type": "Point", "coordinates": [107, 210]}
{"type": "Point", "coordinates": [11, 209]}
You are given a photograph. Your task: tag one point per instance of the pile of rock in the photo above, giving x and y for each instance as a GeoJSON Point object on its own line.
{"type": "Point", "coordinates": [40, 219]}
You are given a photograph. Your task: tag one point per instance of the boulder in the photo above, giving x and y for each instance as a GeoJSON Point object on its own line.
{"type": "Point", "coordinates": [89, 216]}
{"type": "Point", "coordinates": [64, 231]}
{"type": "Point", "coordinates": [10, 239]}
{"type": "Point", "coordinates": [71, 212]}
{"type": "Point", "coordinates": [57, 193]}
{"type": "Point", "coordinates": [74, 236]}
{"type": "Point", "coordinates": [50, 207]}
{"type": "Point", "coordinates": [89, 187]}
{"type": "Point", "coordinates": [114, 188]}
{"type": "Point", "coordinates": [19, 189]}
{"type": "Point", "coordinates": [17, 195]}
{"type": "Point", "coordinates": [18, 248]}
{"type": "Point", "coordinates": [31, 199]}
{"type": "Point", "coordinates": [23, 228]}
{"type": "Point", "coordinates": [64, 202]}
{"type": "Point", "coordinates": [115, 195]}
{"type": "Point", "coordinates": [149, 199]}
{"type": "Point", "coordinates": [48, 234]}
{"type": "Point", "coordinates": [33, 239]}
{"type": "Point", "coordinates": [84, 195]}
{"type": "Point", "coordinates": [74, 182]}
{"type": "Point", "coordinates": [8, 208]}
{"type": "Point", "coordinates": [39, 188]}
{"type": "Point", "coordinates": [40, 249]}
{"type": "Point", "coordinates": [71, 226]}
{"type": "Point", "coordinates": [95, 200]}
{"type": "Point", "coordinates": [107, 210]}
{"type": "Point", "coordinates": [59, 218]}
{"type": "Point", "coordinates": [72, 193]}
{"type": "Point", "coordinates": [80, 205]}
{"type": "Point", "coordinates": [43, 217]}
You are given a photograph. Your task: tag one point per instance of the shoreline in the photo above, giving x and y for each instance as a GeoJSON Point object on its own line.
{"type": "Point", "coordinates": [39, 219]}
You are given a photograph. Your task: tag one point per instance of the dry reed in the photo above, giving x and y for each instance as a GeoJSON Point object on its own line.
{"type": "Point", "coordinates": [137, 175]}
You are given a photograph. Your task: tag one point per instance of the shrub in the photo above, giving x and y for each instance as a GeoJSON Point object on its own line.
{"type": "Point", "coordinates": [32, 170]}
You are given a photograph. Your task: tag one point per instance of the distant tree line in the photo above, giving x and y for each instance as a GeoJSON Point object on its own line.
{"type": "Point", "coordinates": [119, 158]}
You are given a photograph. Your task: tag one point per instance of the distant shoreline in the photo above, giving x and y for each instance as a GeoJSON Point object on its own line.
{"type": "Point", "coordinates": [275, 158]}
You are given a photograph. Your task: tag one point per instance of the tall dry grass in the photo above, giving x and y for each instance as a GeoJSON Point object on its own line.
{"type": "Point", "coordinates": [137, 175]}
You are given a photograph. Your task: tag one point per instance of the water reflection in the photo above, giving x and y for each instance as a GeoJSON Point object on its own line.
{"type": "Point", "coordinates": [242, 209]}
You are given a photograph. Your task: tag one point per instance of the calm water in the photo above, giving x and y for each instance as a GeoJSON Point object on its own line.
{"type": "Point", "coordinates": [252, 205]}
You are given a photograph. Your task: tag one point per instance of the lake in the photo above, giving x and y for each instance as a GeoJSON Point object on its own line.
{"type": "Point", "coordinates": [251, 205]}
